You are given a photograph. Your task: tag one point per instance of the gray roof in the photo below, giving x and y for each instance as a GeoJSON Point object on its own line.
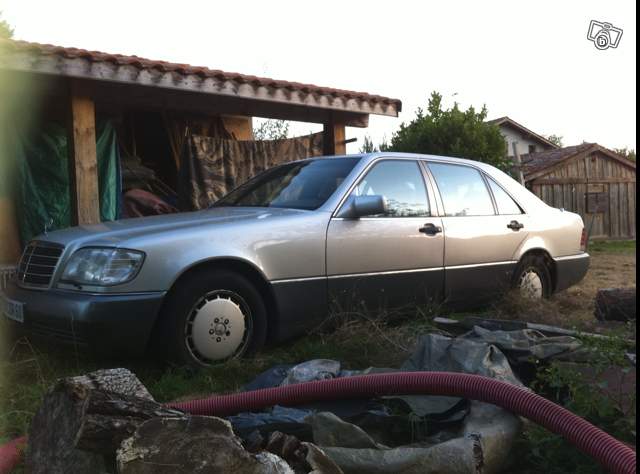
{"type": "Point", "coordinates": [506, 121]}
{"type": "Point", "coordinates": [535, 164]}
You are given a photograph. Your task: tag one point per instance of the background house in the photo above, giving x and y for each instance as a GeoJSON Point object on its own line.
{"type": "Point", "coordinates": [590, 180]}
{"type": "Point", "coordinates": [520, 139]}
{"type": "Point", "coordinates": [77, 126]}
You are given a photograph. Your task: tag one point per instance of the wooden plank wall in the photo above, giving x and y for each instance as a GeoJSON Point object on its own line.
{"type": "Point", "coordinates": [566, 187]}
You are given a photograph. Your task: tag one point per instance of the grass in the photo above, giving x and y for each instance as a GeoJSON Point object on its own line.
{"type": "Point", "coordinates": [626, 247]}
{"type": "Point", "coordinates": [28, 369]}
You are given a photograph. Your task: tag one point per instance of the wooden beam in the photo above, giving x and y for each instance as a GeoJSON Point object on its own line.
{"type": "Point", "coordinates": [240, 128]}
{"type": "Point", "coordinates": [334, 139]}
{"type": "Point", "coordinates": [83, 160]}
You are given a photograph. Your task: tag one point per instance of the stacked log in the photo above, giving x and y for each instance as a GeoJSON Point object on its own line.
{"type": "Point", "coordinates": [107, 422]}
{"type": "Point", "coordinates": [616, 304]}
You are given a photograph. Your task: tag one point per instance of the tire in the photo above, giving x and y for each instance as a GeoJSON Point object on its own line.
{"type": "Point", "coordinates": [213, 316]}
{"type": "Point", "coordinates": [533, 278]}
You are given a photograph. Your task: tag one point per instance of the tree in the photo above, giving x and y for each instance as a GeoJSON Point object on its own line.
{"type": "Point", "coordinates": [367, 145]}
{"type": "Point", "coordinates": [5, 28]}
{"type": "Point", "coordinates": [628, 153]}
{"type": "Point", "coordinates": [271, 130]}
{"type": "Point", "coordinates": [556, 140]}
{"type": "Point", "coordinates": [451, 132]}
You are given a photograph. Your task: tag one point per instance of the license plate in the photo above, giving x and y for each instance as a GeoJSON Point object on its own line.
{"type": "Point", "coordinates": [12, 309]}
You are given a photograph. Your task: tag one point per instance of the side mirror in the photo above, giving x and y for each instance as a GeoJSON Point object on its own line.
{"type": "Point", "coordinates": [363, 206]}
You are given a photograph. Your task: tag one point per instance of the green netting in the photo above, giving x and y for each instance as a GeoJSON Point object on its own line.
{"type": "Point", "coordinates": [36, 169]}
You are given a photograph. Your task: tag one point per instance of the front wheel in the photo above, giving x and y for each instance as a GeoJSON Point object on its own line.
{"type": "Point", "coordinates": [213, 316]}
{"type": "Point", "coordinates": [532, 278]}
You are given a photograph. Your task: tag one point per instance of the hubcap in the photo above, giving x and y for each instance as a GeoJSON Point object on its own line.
{"type": "Point", "coordinates": [218, 327]}
{"type": "Point", "coordinates": [531, 285]}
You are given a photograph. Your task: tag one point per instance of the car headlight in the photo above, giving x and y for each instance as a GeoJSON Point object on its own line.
{"type": "Point", "coordinates": [102, 266]}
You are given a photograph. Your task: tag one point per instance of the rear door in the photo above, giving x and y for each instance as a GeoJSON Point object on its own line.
{"type": "Point", "coordinates": [483, 229]}
{"type": "Point", "coordinates": [389, 260]}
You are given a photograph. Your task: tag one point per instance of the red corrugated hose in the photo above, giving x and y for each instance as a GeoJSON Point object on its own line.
{"type": "Point", "coordinates": [613, 455]}
{"type": "Point", "coordinates": [10, 454]}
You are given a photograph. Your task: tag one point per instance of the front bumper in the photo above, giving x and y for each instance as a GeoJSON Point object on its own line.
{"type": "Point", "coordinates": [108, 324]}
{"type": "Point", "coordinates": [571, 270]}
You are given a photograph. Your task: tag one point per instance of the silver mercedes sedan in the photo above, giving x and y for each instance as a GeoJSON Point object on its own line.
{"type": "Point", "coordinates": [267, 261]}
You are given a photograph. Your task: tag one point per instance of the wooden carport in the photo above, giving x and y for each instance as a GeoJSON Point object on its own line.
{"type": "Point", "coordinates": [35, 73]}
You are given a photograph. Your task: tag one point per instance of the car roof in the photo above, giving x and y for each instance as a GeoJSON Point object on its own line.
{"type": "Point", "coordinates": [525, 198]}
{"type": "Point", "coordinates": [368, 157]}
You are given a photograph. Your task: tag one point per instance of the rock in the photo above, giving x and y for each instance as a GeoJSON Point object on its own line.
{"type": "Point", "coordinates": [197, 444]}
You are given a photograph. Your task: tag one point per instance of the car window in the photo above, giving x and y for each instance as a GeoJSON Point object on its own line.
{"type": "Point", "coordinates": [401, 183]}
{"type": "Point", "coordinates": [300, 185]}
{"type": "Point", "coordinates": [506, 205]}
{"type": "Point", "coordinates": [463, 190]}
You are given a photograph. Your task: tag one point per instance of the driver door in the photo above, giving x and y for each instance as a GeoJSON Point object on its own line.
{"type": "Point", "coordinates": [391, 260]}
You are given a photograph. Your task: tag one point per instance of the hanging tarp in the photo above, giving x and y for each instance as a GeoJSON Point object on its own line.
{"type": "Point", "coordinates": [41, 168]}
{"type": "Point", "coordinates": [211, 167]}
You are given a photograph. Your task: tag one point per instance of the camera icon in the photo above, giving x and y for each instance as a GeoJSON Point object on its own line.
{"type": "Point", "coordinates": [604, 35]}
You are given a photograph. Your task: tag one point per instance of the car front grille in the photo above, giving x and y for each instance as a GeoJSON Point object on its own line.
{"type": "Point", "coordinates": [38, 262]}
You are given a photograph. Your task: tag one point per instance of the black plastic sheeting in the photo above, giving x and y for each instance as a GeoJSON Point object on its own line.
{"type": "Point", "coordinates": [426, 434]}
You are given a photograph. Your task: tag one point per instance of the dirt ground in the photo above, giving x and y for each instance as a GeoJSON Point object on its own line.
{"type": "Point", "coordinates": [613, 265]}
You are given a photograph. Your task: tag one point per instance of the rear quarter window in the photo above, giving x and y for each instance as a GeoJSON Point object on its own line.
{"type": "Point", "coordinates": [463, 190]}
{"type": "Point", "coordinates": [506, 205]}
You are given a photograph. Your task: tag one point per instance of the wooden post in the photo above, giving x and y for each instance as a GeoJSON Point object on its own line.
{"type": "Point", "coordinates": [83, 161]}
{"type": "Point", "coordinates": [334, 139]}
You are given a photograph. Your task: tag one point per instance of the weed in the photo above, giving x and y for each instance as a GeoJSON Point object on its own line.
{"type": "Point", "coordinates": [602, 393]}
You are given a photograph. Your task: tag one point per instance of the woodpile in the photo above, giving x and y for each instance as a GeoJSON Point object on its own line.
{"type": "Point", "coordinates": [616, 304]}
{"type": "Point", "coordinates": [107, 422]}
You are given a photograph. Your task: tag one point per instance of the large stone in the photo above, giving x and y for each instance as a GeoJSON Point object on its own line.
{"type": "Point", "coordinates": [196, 444]}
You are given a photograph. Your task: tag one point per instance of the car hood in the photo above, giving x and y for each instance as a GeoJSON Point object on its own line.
{"type": "Point", "coordinates": [112, 233]}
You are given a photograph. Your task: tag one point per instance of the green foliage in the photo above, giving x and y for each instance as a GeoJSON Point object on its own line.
{"type": "Point", "coordinates": [5, 28]}
{"type": "Point", "coordinates": [628, 153]}
{"type": "Point", "coordinates": [556, 140]}
{"type": "Point", "coordinates": [271, 130]}
{"type": "Point", "coordinates": [367, 145]}
{"type": "Point", "coordinates": [586, 395]}
{"type": "Point", "coordinates": [451, 132]}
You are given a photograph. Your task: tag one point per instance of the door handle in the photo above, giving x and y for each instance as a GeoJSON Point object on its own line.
{"type": "Point", "coordinates": [515, 225]}
{"type": "Point", "coordinates": [430, 229]}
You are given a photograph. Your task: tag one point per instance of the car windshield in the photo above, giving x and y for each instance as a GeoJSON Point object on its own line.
{"type": "Point", "coordinates": [301, 185]}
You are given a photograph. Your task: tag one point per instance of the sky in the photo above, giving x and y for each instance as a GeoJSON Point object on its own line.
{"type": "Point", "coordinates": [531, 61]}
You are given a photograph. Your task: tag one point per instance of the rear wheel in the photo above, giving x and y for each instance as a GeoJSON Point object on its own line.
{"type": "Point", "coordinates": [532, 278]}
{"type": "Point", "coordinates": [213, 316]}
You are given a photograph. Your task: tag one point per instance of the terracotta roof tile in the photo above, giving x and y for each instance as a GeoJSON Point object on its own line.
{"type": "Point", "coordinates": [143, 63]}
